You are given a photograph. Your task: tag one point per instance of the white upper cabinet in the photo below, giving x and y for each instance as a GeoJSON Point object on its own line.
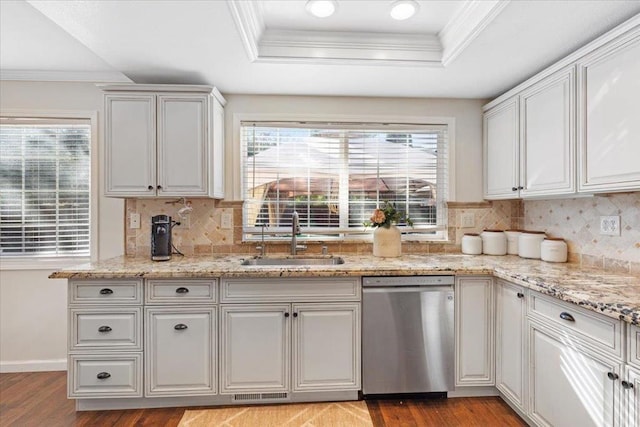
{"type": "Point", "coordinates": [547, 139]}
{"type": "Point", "coordinates": [609, 114]}
{"type": "Point", "coordinates": [163, 141]}
{"type": "Point", "coordinates": [500, 150]}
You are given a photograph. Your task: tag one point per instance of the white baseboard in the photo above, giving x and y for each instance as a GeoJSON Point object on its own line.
{"type": "Point", "coordinates": [474, 391]}
{"type": "Point", "coordinates": [33, 365]}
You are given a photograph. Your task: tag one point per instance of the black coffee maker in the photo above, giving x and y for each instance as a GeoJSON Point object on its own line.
{"type": "Point", "coordinates": [161, 238]}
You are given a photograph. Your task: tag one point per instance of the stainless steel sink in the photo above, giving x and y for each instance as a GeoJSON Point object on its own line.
{"type": "Point", "coordinates": [293, 261]}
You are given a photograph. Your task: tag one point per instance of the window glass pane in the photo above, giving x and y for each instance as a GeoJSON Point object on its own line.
{"type": "Point", "coordinates": [335, 177]}
{"type": "Point", "coordinates": [44, 188]}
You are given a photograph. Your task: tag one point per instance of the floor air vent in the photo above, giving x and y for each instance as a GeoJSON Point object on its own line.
{"type": "Point", "coordinates": [259, 396]}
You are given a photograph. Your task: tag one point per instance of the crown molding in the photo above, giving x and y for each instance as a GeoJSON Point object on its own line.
{"type": "Point", "coordinates": [470, 20]}
{"type": "Point", "coordinates": [285, 46]}
{"type": "Point", "coordinates": [65, 76]}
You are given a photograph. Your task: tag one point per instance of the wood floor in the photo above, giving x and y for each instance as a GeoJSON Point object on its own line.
{"type": "Point", "coordinates": [39, 399]}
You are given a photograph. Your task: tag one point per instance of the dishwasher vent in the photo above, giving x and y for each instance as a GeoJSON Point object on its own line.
{"type": "Point", "coordinates": [260, 396]}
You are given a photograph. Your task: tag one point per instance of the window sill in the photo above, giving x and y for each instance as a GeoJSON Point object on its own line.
{"type": "Point", "coordinates": [40, 263]}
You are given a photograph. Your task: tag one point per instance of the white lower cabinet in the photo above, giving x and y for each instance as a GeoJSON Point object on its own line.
{"type": "Point", "coordinates": [511, 343]}
{"type": "Point", "coordinates": [180, 354]}
{"type": "Point", "coordinates": [255, 344]}
{"type": "Point", "coordinates": [474, 331]}
{"type": "Point", "coordinates": [631, 397]}
{"type": "Point", "coordinates": [570, 386]}
{"type": "Point", "coordinates": [315, 345]}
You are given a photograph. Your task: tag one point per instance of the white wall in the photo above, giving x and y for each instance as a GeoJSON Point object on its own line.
{"type": "Point", "coordinates": [33, 314]}
{"type": "Point", "coordinates": [466, 112]}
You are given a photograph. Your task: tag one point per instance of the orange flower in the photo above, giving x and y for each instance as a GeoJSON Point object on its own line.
{"type": "Point", "coordinates": [378, 217]}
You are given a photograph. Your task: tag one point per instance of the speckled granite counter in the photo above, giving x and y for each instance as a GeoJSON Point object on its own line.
{"type": "Point", "coordinates": [614, 295]}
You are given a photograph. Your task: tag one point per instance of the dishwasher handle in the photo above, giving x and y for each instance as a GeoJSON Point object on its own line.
{"type": "Point", "coordinates": [400, 289]}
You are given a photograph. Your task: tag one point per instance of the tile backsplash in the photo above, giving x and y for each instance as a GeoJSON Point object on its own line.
{"type": "Point", "coordinates": [578, 222]}
{"type": "Point", "coordinates": [206, 236]}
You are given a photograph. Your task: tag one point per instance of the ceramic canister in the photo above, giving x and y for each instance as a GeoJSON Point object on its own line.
{"type": "Point", "coordinates": [512, 241]}
{"type": "Point", "coordinates": [471, 244]}
{"type": "Point", "coordinates": [494, 242]}
{"type": "Point", "coordinates": [553, 249]}
{"type": "Point", "coordinates": [529, 244]}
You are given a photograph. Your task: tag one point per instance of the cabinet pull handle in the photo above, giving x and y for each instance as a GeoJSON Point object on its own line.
{"type": "Point", "coordinates": [104, 329]}
{"type": "Point", "coordinates": [182, 290]}
{"type": "Point", "coordinates": [566, 316]}
{"type": "Point", "coordinates": [627, 385]}
{"type": "Point", "coordinates": [612, 376]}
{"type": "Point", "coordinates": [106, 291]}
{"type": "Point", "coordinates": [520, 295]}
{"type": "Point", "coordinates": [295, 314]}
{"type": "Point", "coordinates": [514, 188]}
{"type": "Point", "coordinates": [150, 187]}
{"type": "Point", "coordinates": [103, 375]}
{"type": "Point", "coordinates": [286, 314]}
{"type": "Point", "coordinates": [520, 188]}
{"type": "Point", "coordinates": [180, 327]}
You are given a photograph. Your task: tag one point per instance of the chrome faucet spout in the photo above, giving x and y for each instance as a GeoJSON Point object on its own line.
{"type": "Point", "coordinates": [295, 230]}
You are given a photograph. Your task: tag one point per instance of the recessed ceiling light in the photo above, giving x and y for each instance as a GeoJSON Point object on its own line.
{"type": "Point", "coordinates": [321, 8]}
{"type": "Point", "coordinates": [404, 9]}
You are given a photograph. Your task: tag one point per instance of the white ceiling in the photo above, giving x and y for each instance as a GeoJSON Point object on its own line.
{"type": "Point", "coordinates": [199, 42]}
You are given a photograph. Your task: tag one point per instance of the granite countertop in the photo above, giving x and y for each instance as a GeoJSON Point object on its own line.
{"type": "Point", "coordinates": [614, 295]}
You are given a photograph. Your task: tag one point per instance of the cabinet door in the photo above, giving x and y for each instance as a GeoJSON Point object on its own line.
{"type": "Point", "coordinates": [130, 145]}
{"type": "Point", "coordinates": [631, 398]}
{"type": "Point", "coordinates": [500, 151]}
{"type": "Point", "coordinates": [216, 165]}
{"type": "Point", "coordinates": [326, 347]}
{"type": "Point", "coordinates": [511, 352]}
{"type": "Point", "coordinates": [254, 352]}
{"type": "Point", "coordinates": [474, 331]}
{"type": "Point", "coordinates": [183, 140]}
{"type": "Point", "coordinates": [547, 141]}
{"type": "Point", "coordinates": [608, 93]}
{"type": "Point", "coordinates": [569, 387]}
{"type": "Point", "coordinates": [180, 353]}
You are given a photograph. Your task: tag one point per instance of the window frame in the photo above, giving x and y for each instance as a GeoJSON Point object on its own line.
{"type": "Point", "coordinates": [238, 158]}
{"type": "Point", "coordinates": [48, 262]}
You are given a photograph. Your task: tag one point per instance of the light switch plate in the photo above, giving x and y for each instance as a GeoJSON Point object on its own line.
{"type": "Point", "coordinates": [134, 220]}
{"type": "Point", "coordinates": [226, 221]}
{"type": "Point", "coordinates": [610, 225]}
{"type": "Point", "coordinates": [467, 220]}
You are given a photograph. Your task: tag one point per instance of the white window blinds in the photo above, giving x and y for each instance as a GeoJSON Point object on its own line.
{"type": "Point", "coordinates": [44, 187]}
{"type": "Point", "coordinates": [335, 175]}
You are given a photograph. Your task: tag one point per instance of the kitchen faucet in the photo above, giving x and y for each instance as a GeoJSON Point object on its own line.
{"type": "Point", "coordinates": [295, 230]}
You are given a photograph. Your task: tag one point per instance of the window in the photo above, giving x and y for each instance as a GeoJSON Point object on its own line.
{"type": "Point", "coordinates": [45, 181]}
{"type": "Point", "coordinates": [335, 175]}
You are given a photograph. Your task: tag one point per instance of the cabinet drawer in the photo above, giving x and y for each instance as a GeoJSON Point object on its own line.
{"type": "Point", "coordinates": [115, 375]}
{"type": "Point", "coordinates": [588, 326]}
{"type": "Point", "coordinates": [634, 346]}
{"type": "Point", "coordinates": [297, 289]}
{"type": "Point", "coordinates": [177, 291]}
{"type": "Point", "coordinates": [105, 291]}
{"type": "Point", "coordinates": [106, 329]}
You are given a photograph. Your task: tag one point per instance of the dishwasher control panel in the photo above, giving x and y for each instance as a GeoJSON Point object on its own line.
{"type": "Point", "coordinates": [408, 281]}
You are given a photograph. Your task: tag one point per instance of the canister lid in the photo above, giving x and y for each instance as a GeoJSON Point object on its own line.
{"type": "Point", "coordinates": [493, 231]}
{"type": "Point", "coordinates": [556, 239]}
{"type": "Point", "coordinates": [515, 230]}
{"type": "Point", "coordinates": [471, 234]}
{"type": "Point", "coordinates": [533, 232]}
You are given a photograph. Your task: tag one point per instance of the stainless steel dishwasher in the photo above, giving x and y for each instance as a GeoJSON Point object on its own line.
{"type": "Point", "coordinates": [407, 335]}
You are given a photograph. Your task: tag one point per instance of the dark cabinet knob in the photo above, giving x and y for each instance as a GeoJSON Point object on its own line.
{"type": "Point", "coordinates": [159, 187]}
{"type": "Point", "coordinates": [180, 327]}
{"type": "Point", "coordinates": [612, 376]}
{"type": "Point", "coordinates": [286, 315]}
{"type": "Point", "coordinates": [295, 314]}
{"type": "Point", "coordinates": [627, 385]}
{"type": "Point", "coordinates": [566, 316]}
{"type": "Point", "coordinates": [514, 188]}
{"type": "Point", "coordinates": [150, 187]}
{"type": "Point", "coordinates": [106, 291]}
{"type": "Point", "coordinates": [520, 188]}
{"type": "Point", "coordinates": [182, 290]}
{"type": "Point", "coordinates": [520, 295]}
{"type": "Point", "coordinates": [104, 329]}
{"type": "Point", "coordinates": [103, 375]}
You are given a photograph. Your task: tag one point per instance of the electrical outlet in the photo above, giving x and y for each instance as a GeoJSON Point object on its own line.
{"type": "Point", "coordinates": [226, 221]}
{"type": "Point", "coordinates": [467, 220]}
{"type": "Point", "coordinates": [610, 225]}
{"type": "Point", "coordinates": [134, 220]}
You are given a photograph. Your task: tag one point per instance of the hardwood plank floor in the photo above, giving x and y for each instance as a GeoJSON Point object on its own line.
{"type": "Point", "coordinates": [40, 399]}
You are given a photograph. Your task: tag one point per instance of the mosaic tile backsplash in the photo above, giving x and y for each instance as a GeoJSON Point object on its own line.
{"type": "Point", "coordinates": [206, 236]}
{"type": "Point", "coordinates": [578, 222]}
